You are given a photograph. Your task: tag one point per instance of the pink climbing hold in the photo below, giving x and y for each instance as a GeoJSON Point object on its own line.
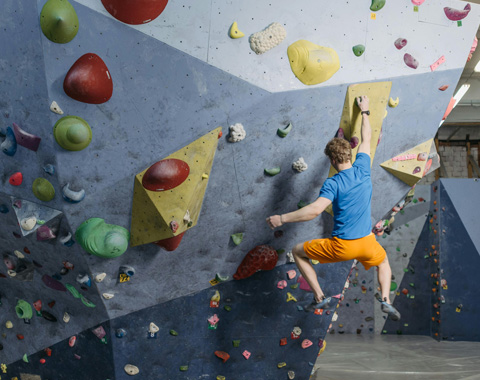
{"type": "Point", "coordinates": [416, 170]}
{"type": "Point", "coordinates": [456, 14]}
{"type": "Point", "coordinates": [417, 2]}
{"type": "Point", "coordinates": [304, 284]}
{"type": "Point", "coordinates": [246, 354]}
{"type": "Point", "coordinates": [340, 134]}
{"type": "Point", "coordinates": [354, 142]}
{"type": "Point", "coordinates": [291, 274]}
{"type": "Point", "coordinates": [45, 233]}
{"type": "Point", "coordinates": [99, 332]}
{"type": "Point", "coordinates": [174, 226]}
{"type": "Point", "coordinates": [262, 257]}
{"type": "Point", "coordinates": [213, 320]}
{"type": "Point", "coordinates": [400, 43]}
{"type": "Point", "coordinates": [410, 61]}
{"type": "Point", "coordinates": [282, 284]}
{"type": "Point", "coordinates": [306, 343]}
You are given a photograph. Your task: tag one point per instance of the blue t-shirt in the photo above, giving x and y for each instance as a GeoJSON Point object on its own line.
{"type": "Point", "coordinates": [351, 192]}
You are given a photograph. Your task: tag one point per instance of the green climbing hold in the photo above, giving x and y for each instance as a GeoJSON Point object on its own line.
{"type": "Point", "coordinates": [412, 284]}
{"type": "Point", "coordinates": [72, 133]}
{"type": "Point", "coordinates": [43, 189]}
{"type": "Point", "coordinates": [377, 5]}
{"type": "Point", "coordinates": [221, 278]}
{"type": "Point", "coordinates": [393, 286]}
{"type": "Point", "coordinates": [294, 286]}
{"type": "Point", "coordinates": [415, 200]}
{"type": "Point", "coordinates": [236, 343]}
{"type": "Point", "coordinates": [283, 132]}
{"type": "Point", "coordinates": [272, 171]}
{"type": "Point", "coordinates": [25, 358]}
{"type": "Point", "coordinates": [406, 270]}
{"type": "Point", "coordinates": [237, 238]}
{"type": "Point", "coordinates": [358, 50]}
{"type": "Point", "coordinates": [398, 249]}
{"type": "Point", "coordinates": [227, 308]}
{"type": "Point", "coordinates": [407, 225]}
{"type": "Point", "coordinates": [41, 222]}
{"type": "Point", "coordinates": [101, 239]}
{"type": "Point", "coordinates": [173, 333]}
{"type": "Point", "coordinates": [59, 21]}
{"type": "Point", "coordinates": [302, 204]}
{"type": "Point", "coordinates": [184, 368]}
{"type": "Point", "coordinates": [87, 302]}
{"type": "Point", "coordinates": [23, 309]}
{"type": "Point", "coordinates": [280, 251]}
{"type": "Point", "coordinates": [72, 290]}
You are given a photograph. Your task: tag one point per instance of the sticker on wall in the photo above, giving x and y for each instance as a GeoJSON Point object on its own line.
{"type": "Point", "coordinates": [135, 12]}
{"type": "Point", "coordinates": [89, 80]}
{"type": "Point", "coordinates": [59, 21]}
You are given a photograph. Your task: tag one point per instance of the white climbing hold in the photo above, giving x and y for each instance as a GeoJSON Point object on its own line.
{"type": "Point", "coordinates": [153, 328]}
{"type": "Point", "coordinates": [100, 277]}
{"type": "Point", "coordinates": [66, 317]}
{"type": "Point", "coordinates": [9, 324]}
{"type": "Point", "coordinates": [131, 370]}
{"type": "Point", "coordinates": [300, 165]}
{"type": "Point", "coordinates": [108, 296]}
{"type": "Point", "coordinates": [28, 224]}
{"type": "Point", "coordinates": [54, 107]}
{"type": "Point", "coordinates": [186, 217]}
{"type": "Point", "coordinates": [19, 254]}
{"type": "Point", "coordinates": [268, 38]}
{"type": "Point", "coordinates": [237, 133]}
{"type": "Point", "coordinates": [335, 317]}
{"type": "Point", "coordinates": [290, 257]}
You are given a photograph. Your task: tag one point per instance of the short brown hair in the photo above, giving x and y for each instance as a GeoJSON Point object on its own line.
{"type": "Point", "coordinates": [339, 150]}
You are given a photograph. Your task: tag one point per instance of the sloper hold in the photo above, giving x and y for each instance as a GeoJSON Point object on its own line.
{"type": "Point", "coordinates": [89, 80]}
{"type": "Point", "coordinates": [43, 189]}
{"type": "Point", "coordinates": [153, 211]}
{"type": "Point", "coordinates": [262, 257]}
{"type": "Point", "coordinates": [26, 139]}
{"type": "Point", "coordinates": [456, 14]}
{"type": "Point", "coordinates": [165, 175]}
{"type": "Point", "coordinates": [311, 63]}
{"type": "Point", "coordinates": [72, 133]}
{"type": "Point", "coordinates": [358, 50]}
{"type": "Point", "coordinates": [377, 5]}
{"type": "Point", "coordinates": [135, 12]}
{"type": "Point", "coordinates": [404, 168]}
{"type": "Point", "coordinates": [59, 21]}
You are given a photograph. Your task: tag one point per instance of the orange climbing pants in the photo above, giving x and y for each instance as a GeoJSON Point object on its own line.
{"type": "Point", "coordinates": [332, 250]}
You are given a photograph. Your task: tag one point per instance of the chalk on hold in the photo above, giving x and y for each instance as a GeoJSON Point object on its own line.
{"type": "Point", "coordinates": [456, 14]}
{"type": "Point", "coordinates": [267, 39]}
{"type": "Point", "coordinates": [237, 133]}
{"type": "Point", "coordinates": [273, 171]}
{"type": "Point", "coordinates": [300, 165]}
{"type": "Point", "coordinates": [285, 131]}
{"type": "Point", "coordinates": [311, 63]}
{"type": "Point", "coordinates": [377, 5]}
{"type": "Point", "coordinates": [131, 370]}
{"type": "Point", "coordinates": [54, 107]}
{"type": "Point", "coordinates": [234, 32]}
{"type": "Point", "coordinates": [393, 103]}
{"type": "Point", "coordinates": [410, 61]}
{"type": "Point", "coordinates": [237, 238]}
{"type": "Point", "coordinates": [358, 50]}
{"type": "Point", "coordinates": [400, 43]}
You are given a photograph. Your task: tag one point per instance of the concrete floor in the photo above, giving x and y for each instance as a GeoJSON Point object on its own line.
{"type": "Point", "coordinates": [395, 357]}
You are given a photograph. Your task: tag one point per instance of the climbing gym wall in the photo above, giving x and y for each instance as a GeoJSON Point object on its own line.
{"type": "Point", "coordinates": [129, 204]}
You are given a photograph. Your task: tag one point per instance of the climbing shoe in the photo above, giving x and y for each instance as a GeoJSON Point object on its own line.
{"type": "Point", "coordinates": [390, 310]}
{"type": "Point", "coordinates": [326, 303]}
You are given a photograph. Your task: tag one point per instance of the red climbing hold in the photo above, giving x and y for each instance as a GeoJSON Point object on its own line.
{"type": "Point", "coordinates": [20, 337]}
{"type": "Point", "coordinates": [42, 360]}
{"type": "Point", "coordinates": [456, 14]}
{"type": "Point", "coordinates": [262, 257]}
{"type": "Point", "coordinates": [89, 80]}
{"type": "Point", "coordinates": [165, 175]}
{"type": "Point", "coordinates": [16, 179]}
{"type": "Point", "coordinates": [37, 305]}
{"type": "Point", "coordinates": [135, 12]}
{"type": "Point", "coordinates": [170, 244]}
{"type": "Point", "coordinates": [222, 355]}
{"type": "Point", "coordinates": [443, 88]}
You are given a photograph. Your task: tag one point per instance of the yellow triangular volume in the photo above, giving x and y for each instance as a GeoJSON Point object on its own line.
{"type": "Point", "coordinates": [406, 166]}
{"type": "Point", "coordinates": [351, 122]}
{"type": "Point", "coordinates": [153, 211]}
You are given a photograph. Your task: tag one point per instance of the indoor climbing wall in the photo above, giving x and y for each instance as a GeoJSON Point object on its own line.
{"type": "Point", "coordinates": [83, 287]}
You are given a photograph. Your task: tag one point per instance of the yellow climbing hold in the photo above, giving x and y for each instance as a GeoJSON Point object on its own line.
{"type": "Point", "coordinates": [315, 262]}
{"type": "Point", "coordinates": [216, 296]}
{"type": "Point", "coordinates": [220, 377]}
{"type": "Point", "coordinates": [393, 103]}
{"type": "Point", "coordinates": [311, 63]}
{"type": "Point", "coordinates": [234, 32]}
{"type": "Point", "coordinates": [281, 365]}
{"type": "Point", "coordinates": [290, 297]}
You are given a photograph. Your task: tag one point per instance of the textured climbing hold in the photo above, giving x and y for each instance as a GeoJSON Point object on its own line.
{"type": "Point", "coordinates": [88, 80]}
{"type": "Point", "coordinates": [59, 21]}
{"type": "Point", "coordinates": [131, 370]}
{"type": "Point", "coordinates": [234, 32]}
{"type": "Point", "coordinates": [267, 39]}
{"type": "Point", "coordinates": [393, 103]}
{"type": "Point", "coordinates": [410, 61]}
{"type": "Point", "coordinates": [237, 133]}
{"type": "Point", "coordinates": [72, 196]}
{"type": "Point", "coordinates": [174, 226]}
{"type": "Point", "coordinates": [300, 165]}
{"type": "Point", "coordinates": [25, 139]}
{"type": "Point", "coordinates": [213, 320]}
{"type": "Point", "coordinates": [222, 355]}
{"type": "Point", "coordinates": [290, 297]}
{"type": "Point", "coordinates": [311, 63]}
{"type": "Point", "coordinates": [87, 302]}
{"type": "Point", "coordinates": [23, 309]}
{"type": "Point", "coordinates": [377, 5]}
{"type": "Point", "coordinates": [135, 13]}
{"type": "Point", "coordinates": [120, 333]}
{"type": "Point", "coordinates": [101, 239]}
{"type": "Point", "coordinates": [262, 257]}
{"type": "Point", "coordinates": [29, 223]}
{"type": "Point", "coordinates": [358, 50]}
{"type": "Point", "coordinates": [215, 299]}
{"type": "Point", "coordinates": [400, 43]}
{"type": "Point", "coordinates": [49, 169]}
{"type": "Point", "coordinates": [273, 171]}
{"type": "Point", "coordinates": [443, 88]}
{"type": "Point", "coordinates": [43, 189]}
{"type": "Point", "coordinates": [165, 175]}
{"type": "Point", "coordinates": [456, 14]}
{"type": "Point", "coordinates": [73, 290]}
{"type": "Point", "coordinates": [16, 179]}
{"type": "Point", "coordinates": [285, 131]}
{"type": "Point", "coordinates": [72, 133]}
{"type": "Point", "coordinates": [20, 337]}
{"type": "Point", "coordinates": [54, 107]}
{"type": "Point", "coordinates": [9, 145]}
{"type": "Point", "coordinates": [237, 238]}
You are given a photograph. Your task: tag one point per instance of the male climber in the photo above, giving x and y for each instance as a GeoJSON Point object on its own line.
{"type": "Point", "coordinates": [350, 192]}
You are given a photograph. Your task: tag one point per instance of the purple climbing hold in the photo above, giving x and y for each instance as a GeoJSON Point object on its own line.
{"type": "Point", "coordinates": [53, 284]}
{"type": "Point", "coordinates": [340, 134]}
{"type": "Point", "coordinates": [26, 139]}
{"type": "Point", "coordinates": [417, 170]}
{"type": "Point", "coordinates": [400, 43]}
{"type": "Point", "coordinates": [456, 14]}
{"type": "Point", "coordinates": [410, 61]}
{"type": "Point", "coordinates": [99, 332]}
{"type": "Point", "coordinates": [354, 142]}
{"type": "Point", "coordinates": [45, 233]}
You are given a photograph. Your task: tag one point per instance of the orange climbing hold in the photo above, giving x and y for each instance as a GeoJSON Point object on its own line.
{"type": "Point", "coordinates": [222, 355]}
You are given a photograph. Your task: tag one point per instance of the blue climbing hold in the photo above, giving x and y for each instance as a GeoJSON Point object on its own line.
{"type": "Point", "coordinates": [9, 145]}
